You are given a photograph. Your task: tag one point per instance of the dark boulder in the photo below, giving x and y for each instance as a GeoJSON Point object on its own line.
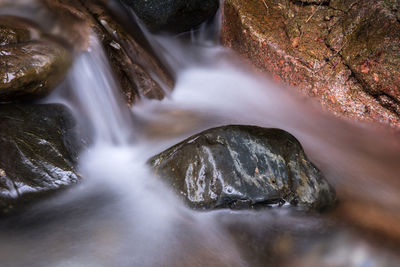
{"type": "Point", "coordinates": [39, 149]}
{"type": "Point", "coordinates": [173, 15]}
{"type": "Point", "coordinates": [30, 66]}
{"type": "Point", "coordinates": [241, 166]}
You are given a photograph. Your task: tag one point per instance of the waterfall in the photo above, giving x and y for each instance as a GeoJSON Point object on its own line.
{"type": "Point", "coordinates": [143, 215]}
{"type": "Point", "coordinates": [97, 96]}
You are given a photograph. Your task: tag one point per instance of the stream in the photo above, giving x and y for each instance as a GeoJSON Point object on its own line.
{"type": "Point", "coordinates": [123, 215]}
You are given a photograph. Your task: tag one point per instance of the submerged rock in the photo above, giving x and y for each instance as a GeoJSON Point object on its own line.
{"type": "Point", "coordinates": [173, 15]}
{"type": "Point", "coordinates": [343, 53]}
{"type": "Point", "coordinates": [38, 152]}
{"type": "Point", "coordinates": [241, 166]}
{"type": "Point", "coordinates": [30, 66]}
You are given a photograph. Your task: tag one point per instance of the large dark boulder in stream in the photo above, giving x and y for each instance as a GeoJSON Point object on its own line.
{"type": "Point", "coordinates": [39, 147]}
{"type": "Point", "coordinates": [30, 66]}
{"type": "Point", "coordinates": [343, 53]}
{"type": "Point", "coordinates": [173, 15]}
{"type": "Point", "coordinates": [243, 166]}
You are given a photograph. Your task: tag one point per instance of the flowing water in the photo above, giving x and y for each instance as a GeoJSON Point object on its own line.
{"type": "Point", "coordinates": [122, 215]}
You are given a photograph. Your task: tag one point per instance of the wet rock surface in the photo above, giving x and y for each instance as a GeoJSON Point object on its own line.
{"type": "Point", "coordinates": [243, 166]}
{"type": "Point", "coordinates": [138, 70]}
{"type": "Point", "coordinates": [173, 15]}
{"type": "Point", "coordinates": [30, 65]}
{"type": "Point", "coordinates": [39, 149]}
{"type": "Point", "coordinates": [343, 53]}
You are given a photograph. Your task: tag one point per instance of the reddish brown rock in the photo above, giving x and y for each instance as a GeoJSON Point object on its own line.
{"type": "Point", "coordinates": [346, 55]}
{"type": "Point", "coordinates": [370, 44]}
{"type": "Point", "coordinates": [343, 53]}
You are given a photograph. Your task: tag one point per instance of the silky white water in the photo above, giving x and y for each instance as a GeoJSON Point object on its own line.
{"type": "Point", "coordinates": [122, 215]}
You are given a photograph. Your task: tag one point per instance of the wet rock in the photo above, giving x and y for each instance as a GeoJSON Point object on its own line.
{"type": "Point", "coordinates": [173, 15]}
{"type": "Point", "coordinates": [30, 66]}
{"type": "Point", "coordinates": [140, 73]}
{"type": "Point", "coordinates": [342, 53]}
{"type": "Point", "coordinates": [39, 149]}
{"type": "Point", "coordinates": [14, 30]}
{"type": "Point", "coordinates": [242, 166]}
{"type": "Point", "coordinates": [137, 68]}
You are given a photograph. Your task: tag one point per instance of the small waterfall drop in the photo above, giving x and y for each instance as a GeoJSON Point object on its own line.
{"type": "Point", "coordinates": [96, 93]}
{"type": "Point", "coordinates": [147, 214]}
